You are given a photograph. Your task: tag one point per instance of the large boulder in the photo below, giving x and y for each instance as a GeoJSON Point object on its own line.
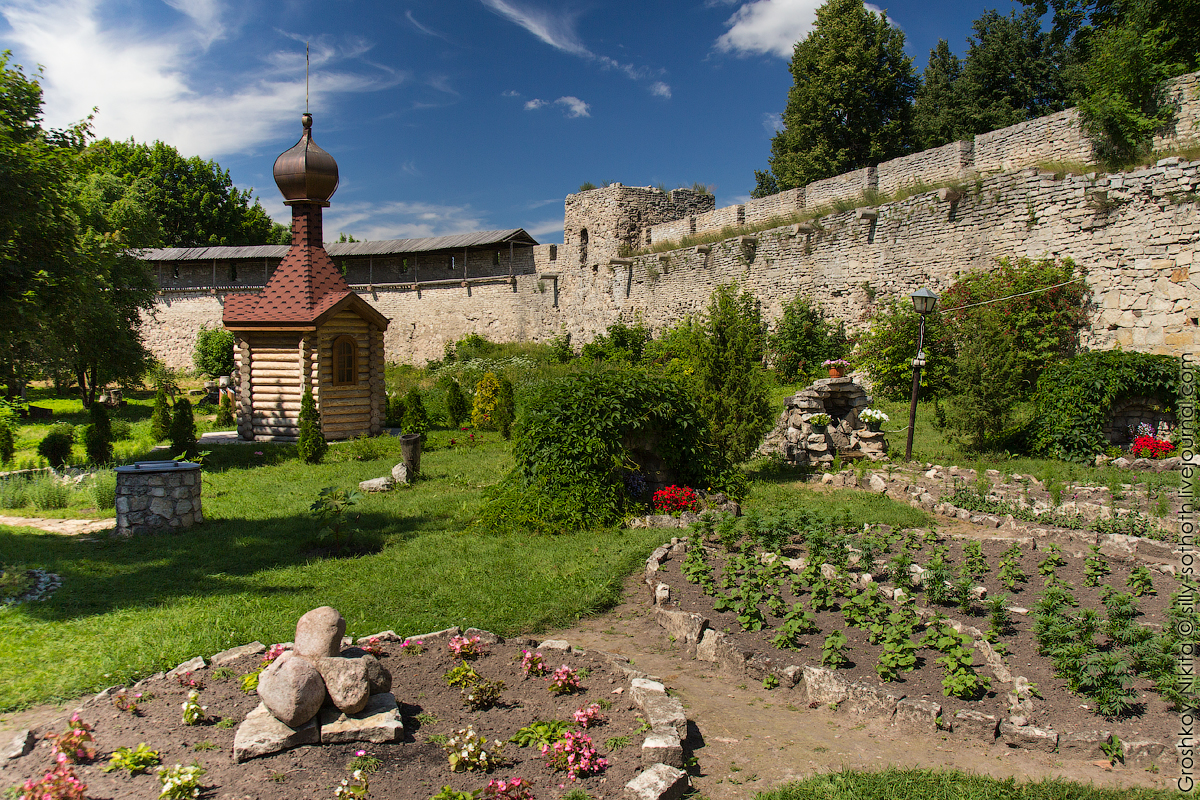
{"type": "Point", "coordinates": [319, 633]}
{"type": "Point", "coordinates": [292, 689]}
{"type": "Point", "coordinates": [346, 681]}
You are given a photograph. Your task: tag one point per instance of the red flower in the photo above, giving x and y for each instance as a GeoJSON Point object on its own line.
{"type": "Point", "coordinates": [675, 498]}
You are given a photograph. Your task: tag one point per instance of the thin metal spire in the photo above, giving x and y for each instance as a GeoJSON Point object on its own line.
{"type": "Point", "coordinates": [306, 77]}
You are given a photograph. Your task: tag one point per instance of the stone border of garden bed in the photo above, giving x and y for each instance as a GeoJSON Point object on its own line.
{"type": "Point", "coordinates": [663, 776]}
{"type": "Point", "coordinates": [825, 687]}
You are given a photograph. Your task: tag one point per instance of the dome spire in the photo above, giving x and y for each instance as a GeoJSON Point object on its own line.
{"type": "Point", "coordinates": [305, 173]}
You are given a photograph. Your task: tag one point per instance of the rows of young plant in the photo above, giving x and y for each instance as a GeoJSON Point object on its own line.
{"type": "Point", "coordinates": [1098, 655]}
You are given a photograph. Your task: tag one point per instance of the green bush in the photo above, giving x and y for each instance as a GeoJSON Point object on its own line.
{"type": "Point", "coordinates": [457, 408]}
{"type": "Point", "coordinates": [213, 355]}
{"type": "Point", "coordinates": [312, 444]}
{"type": "Point", "coordinates": [104, 489]}
{"type": "Point", "coordinates": [803, 338]}
{"type": "Point", "coordinates": [571, 442]}
{"type": "Point", "coordinates": [224, 418]}
{"type": "Point", "coordinates": [416, 420]}
{"type": "Point", "coordinates": [183, 429]}
{"type": "Point", "coordinates": [987, 387]}
{"type": "Point", "coordinates": [97, 437]}
{"type": "Point", "coordinates": [619, 343]}
{"type": "Point", "coordinates": [506, 408]}
{"type": "Point", "coordinates": [122, 430]}
{"type": "Point", "coordinates": [8, 427]}
{"type": "Point", "coordinates": [160, 418]}
{"type": "Point", "coordinates": [487, 392]}
{"type": "Point", "coordinates": [48, 494]}
{"type": "Point", "coordinates": [1073, 398]}
{"type": "Point", "coordinates": [887, 348]}
{"type": "Point", "coordinates": [55, 447]}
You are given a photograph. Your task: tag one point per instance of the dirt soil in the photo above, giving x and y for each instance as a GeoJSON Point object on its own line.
{"type": "Point", "coordinates": [744, 738]}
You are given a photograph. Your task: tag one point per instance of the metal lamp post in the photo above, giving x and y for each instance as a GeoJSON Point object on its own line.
{"type": "Point", "coordinates": [924, 302]}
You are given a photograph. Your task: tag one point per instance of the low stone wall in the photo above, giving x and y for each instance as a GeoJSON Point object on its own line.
{"type": "Point", "coordinates": [154, 496]}
{"type": "Point", "coordinates": [946, 163]}
{"type": "Point", "coordinates": [776, 206]}
{"type": "Point", "coordinates": [1054, 137]}
{"type": "Point", "coordinates": [840, 187]}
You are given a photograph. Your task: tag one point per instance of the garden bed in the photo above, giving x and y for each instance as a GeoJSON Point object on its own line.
{"type": "Point", "coordinates": [416, 767]}
{"type": "Point", "coordinates": [738, 574]}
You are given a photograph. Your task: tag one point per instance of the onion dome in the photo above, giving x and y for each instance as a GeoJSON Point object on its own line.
{"type": "Point", "coordinates": [306, 173]}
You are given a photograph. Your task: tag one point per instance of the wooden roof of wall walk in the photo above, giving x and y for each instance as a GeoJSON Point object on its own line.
{"type": "Point", "coordinates": [387, 247]}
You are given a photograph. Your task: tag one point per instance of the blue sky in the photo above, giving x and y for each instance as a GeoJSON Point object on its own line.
{"type": "Point", "coordinates": [444, 116]}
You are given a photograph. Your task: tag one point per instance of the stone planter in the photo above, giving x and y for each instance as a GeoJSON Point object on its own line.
{"type": "Point", "coordinates": [157, 496]}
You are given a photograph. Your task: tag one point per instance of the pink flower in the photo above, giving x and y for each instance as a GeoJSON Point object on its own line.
{"type": "Point", "coordinates": [258, 452]}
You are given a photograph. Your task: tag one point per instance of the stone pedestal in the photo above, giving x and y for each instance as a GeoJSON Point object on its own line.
{"type": "Point", "coordinates": [157, 496]}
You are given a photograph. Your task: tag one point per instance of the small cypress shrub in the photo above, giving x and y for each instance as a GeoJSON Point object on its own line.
{"type": "Point", "coordinates": [183, 428]}
{"type": "Point", "coordinates": [8, 446]}
{"type": "Point", "coordinates": [486, 393]}
{"type": "Point", "coordinates": [506, 408]}
{"type": "Point", "coordinates": [56, 446]}
{"type": "Point", "coordinates": [457, 408]}
{"type": "Point", "coordinates": [312, 444]}
{"type": "Point", "coordinates": [225, 411]}
{"type": "Point", "coordinates": [416, 420]}
{"type": "Point", "coordinates": [97, 437]}
{"type": "Point", "coordinates": [160, 418]}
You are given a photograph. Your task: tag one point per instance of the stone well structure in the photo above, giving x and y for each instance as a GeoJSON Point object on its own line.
{"type": "Point", "coordinates": [1127, 414]}
{"type": "Point", "coordinates": [803, 445]}
{"type": "Point", "coordinates": [157, 496]}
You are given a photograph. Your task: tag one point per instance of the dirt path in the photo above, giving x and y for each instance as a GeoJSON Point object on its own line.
{"type": "Point", "coordinates": [70, 527]}
{"type": "Point", "coordinates": [747, 739]}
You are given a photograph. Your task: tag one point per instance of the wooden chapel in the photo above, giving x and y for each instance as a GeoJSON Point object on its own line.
{"type": "Point", "coordinates": [306, 329]}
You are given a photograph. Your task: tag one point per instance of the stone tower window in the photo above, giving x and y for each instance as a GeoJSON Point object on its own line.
{"type": "Point", "coordinates": [345, 361]}
{"type": "Point", "coordinates": [583, 243]}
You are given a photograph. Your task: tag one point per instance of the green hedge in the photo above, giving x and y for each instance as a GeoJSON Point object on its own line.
{"type": "Point", "coordinates": [1074, 398]}
{"type": "Point", "coordinates": [571, 461]}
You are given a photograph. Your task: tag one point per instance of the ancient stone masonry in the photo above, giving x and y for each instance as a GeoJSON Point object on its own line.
{"type": "Point", "coordinates": [802, 443]}
{"type": "Point", "coordinates": [155, 496]}
{"type": "Point", "coordinates": [1134, 234]}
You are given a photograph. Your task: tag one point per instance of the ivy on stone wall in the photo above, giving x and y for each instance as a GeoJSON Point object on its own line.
{"type": "Point", "coordinates": [1075, 397]}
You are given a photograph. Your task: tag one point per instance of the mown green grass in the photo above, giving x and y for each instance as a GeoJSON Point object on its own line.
{"type": "Point", "coordinates": [924, 784]}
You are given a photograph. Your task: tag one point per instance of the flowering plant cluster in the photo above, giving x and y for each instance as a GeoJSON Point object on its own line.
{"type": "Point", "coordinates": [512, 789]}
{"type": "Point", "coordinates": [274, 652]}
{"type": "Point", "coordinates": [463, 647]}
{"type": "Point", "coordinates": [563, 681]}
{"type": "Point", "coordinates": [187, 681]}
{"type": "Point", "coordinates": [139, 759]}
{"type": "Point", "coordinates": [193, 712]}
{"type": "Point", "coordinates": [836, 363]}
{"type": "Point", "coordinates": [412, 647]}
{"type": "Point", "coordinates": [873, 415]}
{"type": "Point", "coordinates": [372, 645]}
{"type": "Point", "coordinates": [635, 484]}
{"type": "Point", "coordinates": [820, 420]}
{"type": "Point", "coordinates": [676, 498]}
{"type": "Point", "coordinates": [363, 763]}
{"type": "Point", "coordinates": [127, 701]}
{"type": "Point", "coordinates": [533, 664]}
{"type": "Point", "coordinates": [179, 782]}
{"type": "Point", "coordinates": [467, 750]}
{"type": "Point", "coordinates": [1149, 447]}
{"type": "Point", "coordinates": [356, 785]}
{"type": "Point", "coordinates": [75, 742]}
{"type": "Point", "coordinates": [574, 755]}
{"type": "Point", "coordinates": [59, 783]}
{"type": "Point", "coordinates": [588, 716]}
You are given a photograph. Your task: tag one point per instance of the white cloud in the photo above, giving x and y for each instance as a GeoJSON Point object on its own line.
{"type": "Point", "coordinates": [660, 89]}
{"type": "Point", "coordinates": [540, 230]}
{"type": "Point", "coordinates": [773, 123]}
{"type": "Point", "coordinates": [558, 31]}
{"type": "Point", "coordinates": [575, 107]}
{"type": "Point", "coordinates": [510, 93]}
{"type": "Point", "coordinates": [534, 104]}
{"type": "Point", "coordinates": [425, 29]}
{"type": "Point", "coordinates": [207, 16]}
{"type": "Point", "coordinates": [401, 220]}
{"type": "Point", "coordinates": [152, 84]}
{"type": "Point", "coordinates": [771, 27]}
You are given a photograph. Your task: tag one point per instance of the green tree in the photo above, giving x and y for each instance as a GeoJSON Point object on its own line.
{"type": "Point", "coordinates": [416, 420]}
{"type": "Point", "coordinates": [457, 408]}
{"type": "Point", "coordinates": [986, 385]}
{"type": "Point", "coordinates": [484, 405]}
{"type": "Point", "coordinates": [224, 418]}
{"type": "Point", "coordinates": [213, 354]}
{"type": "Point", "coordinates": [312, 444]}
{"type": "Point", "coordinates": [937, 109]}
{"type": "Point", "coordinates": [183, 428]}
{"type": "Point", "coordinates": [1013, 72]}
{"type": "Point", "coordinates": [731, 379]}
{"type": "Point", "coordinates": [506, 408]}
{"type": "Point", "coordinates": [803, 338]}
{"type": "Point", "coordinates": [194, 201]}
{"type": "Point", "coordinates": [97, 438]}
{"type": "Point", "coordinates": [886, 350]}
{"type": "Point", "coordinates": [850, 102]}
{"type": "Point", "coordinates": [37, 225]}
{"type": "Point", "coordinates": [160, 417]}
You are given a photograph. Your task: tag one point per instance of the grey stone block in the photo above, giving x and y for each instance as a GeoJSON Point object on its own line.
{"type": "Point", "coordinates": [485, 637]}
{"type": "Point", "coordinates": [378, 722]}
{"type": "Point", "coordinates": [662, 747]}
{"type": "Point", "coordinates": [260, 734]}
{"type": "Point", "coordinates": [917, 714]}
{"type": "Point", "coordinates": [685, 627]}
{"type": "Point", "coordinates": [191, 665]}
{"type": "Point", "coordinates": [665, 714]}
{"type": "Point", "coordinates": [867, 701]}
{"type": "Point", "coordinates": [660, 782]}
{"type": "Point", "coordinates": [234, 653]}
{"type": "Point", "coordinates": [824, 686]}
{"type": "Point", "coordinates": [716, 647]}
{"type": "Point", "coordinates": [975, 724]}
{"type": "Point", "coordinates": [1027, 737]}
{"type": "Point", "coordinates": [22, 745]}
{"type": "Point", "coordinates": [1083, 744]}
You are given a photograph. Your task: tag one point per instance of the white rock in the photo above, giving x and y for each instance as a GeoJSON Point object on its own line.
{"type": "Point", "coordinates": [384, 484]}
{"type": "Point", "coordinates": [400, 473]}
{"type": "Point", "coordinates": [378, 722]}
{"type": "Point", "coordinates": [261, 734]}
{"type": "Point", "coordinates": [660, 782]}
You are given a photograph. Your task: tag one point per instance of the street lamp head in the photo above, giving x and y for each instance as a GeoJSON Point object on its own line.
{"type": "Point", "coordinates": [924, 301]}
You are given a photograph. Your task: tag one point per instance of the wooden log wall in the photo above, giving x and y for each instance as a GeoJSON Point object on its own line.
{"type": "Point", "coordinates": [275, 386]}
{"type": "Point", "coordinates": [345, 410]}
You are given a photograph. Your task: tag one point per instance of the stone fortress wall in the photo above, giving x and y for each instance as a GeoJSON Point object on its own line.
{"type": "Point", "coordinates": [1134, 234]}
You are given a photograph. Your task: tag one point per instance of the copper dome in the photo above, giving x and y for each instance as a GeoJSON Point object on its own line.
{"type": "Point", "coordinates": [306, 173]}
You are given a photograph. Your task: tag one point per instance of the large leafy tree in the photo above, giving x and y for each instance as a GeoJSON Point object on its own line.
{"type": "Point", "coordinates": [37, 226]}
{"type": "Point", "coordinates": [850, 102]}
{"type": "Point", "coordinates": [1013, 72]}
{"type": "Point", "coordinates": [194, 200]}
{"type": "Point", "coordinates": [937, 110]}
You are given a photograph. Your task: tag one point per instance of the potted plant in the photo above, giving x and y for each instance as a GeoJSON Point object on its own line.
{"type": "Point", "coordinates": [874, 418]}
{"type": "Point", "coordinates": [819, 422]}
{"type": "Point", "coordinates": [837, 367]}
